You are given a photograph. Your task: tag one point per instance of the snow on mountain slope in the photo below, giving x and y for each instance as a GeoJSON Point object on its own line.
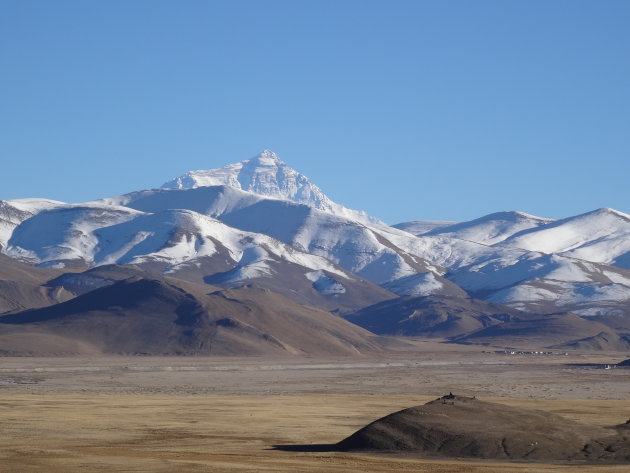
{"type": "Point", "coordinates": [449, 253]}
{"type": "Point", "coordinates": [492, 228]}
{"type": "Point", "coordinates": [384, 255]}
{"type": "Point", "coordinates": [14, 212]}
{"type": "Point", "coordinates": [601, 235]}
{"type": "Point", "coordinates": [612, 249]}
{"type": "Point", "coordinates": [352, 245]}
{"type": "Point", "coordinates": [277, 218]}
{"type": "Point", "coordinates": [547, 283]}
{"type": "Point", "coordinates": [586, 299]}
{"type": "Point", "coordinates": [425, 284]}
{"type": "Point", "coordinates": [360, 248]}
{"type": "Point", "coordinates": [168, 237]}
{"type": "Point", "coordinates": [267, 175]}
{"type": "Point", "coordinates": [119, 235]}
{"type": "Point", "coordinates": [375, 252]}
{"type": "Point", "coordinates": [63, 234]}
{"type": "Point", "coordinates": [212, 201]}
{"type": "Point", "coordinates": [526, 277]}
{"type": "Point", "coordinates": [34, 205]}
{"type": "Point", "coordinates": [420, 227]}
{"type": "Point", "coordinates": [490, 276]}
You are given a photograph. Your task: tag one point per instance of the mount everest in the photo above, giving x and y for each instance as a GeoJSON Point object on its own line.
{"type": "Point", "coordinates": [259, 221]}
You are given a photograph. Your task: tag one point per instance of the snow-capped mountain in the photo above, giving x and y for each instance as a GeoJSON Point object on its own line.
{"type": "Point", "coordinates": [570, 264]}
{"type": "Point", "coordinates": [183, 243]}
{"type": "Point", "coordinates": [398, 261]}
{"type": "Point", "coordinates": [96, 235]}
{"type": "Point", "coordinates": [602, 235]}
{"type": "Point", "coordinates": [491, 229]}
{"type": "Point", "coordinates": [546, 282]}
{"type": "Point", "coordinates": [260, 220]}
{"type": "Point", "coordinates": [64, 233]}
{"type": "Point", "coordinates": [264, 174]}
{"type": "Point", "coordinates": [267, 175]}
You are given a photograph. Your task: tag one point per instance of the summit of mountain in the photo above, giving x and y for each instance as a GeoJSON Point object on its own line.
{"type": "Point", "coordinates": [267, 175]}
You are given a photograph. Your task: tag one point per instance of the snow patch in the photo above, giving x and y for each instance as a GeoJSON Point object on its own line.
{"type": "Point", "coordinates": [423, 284]}
{"type": "Point", "coordinates": [324, 284]}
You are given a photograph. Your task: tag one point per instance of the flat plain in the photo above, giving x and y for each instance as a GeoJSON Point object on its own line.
{"type": "Point", "coordinates": [193, 414]}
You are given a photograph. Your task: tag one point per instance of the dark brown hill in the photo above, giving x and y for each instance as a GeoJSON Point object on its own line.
{"type": "Point", "coordinates": [249, 313]}
{"type": "Point", "coordinates": [22, 286]}
{"type": "Point", "coordinates": [131, 316]}
{"type": "Point", "coordinates": [463, 427]}
{"type": "Point", "coordinates": [563, 330]}
{"type": "Point", "coordinates": [606, 340]}
{"type": "Point", "coordinates": [431, 316]}
{"type": "Point", "coordinates": [143, 316]}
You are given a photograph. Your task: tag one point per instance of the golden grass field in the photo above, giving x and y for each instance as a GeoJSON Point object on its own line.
{"type": "Point", "coordinates": [65, 416]}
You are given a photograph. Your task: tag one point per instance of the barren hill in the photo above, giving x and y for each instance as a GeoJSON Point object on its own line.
{"type": "Point", "coordinates": [562, 330]}
{"type": "Point", "coordinates": [456, 426]}
{"type": "Point", "coordinates": [431, 316]}
{"type": "Point", "coordinates": [22, 286]}
{"type": "Point", "coordinates": [150, 316]}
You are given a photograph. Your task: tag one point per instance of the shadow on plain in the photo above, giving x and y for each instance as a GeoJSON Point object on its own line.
{"type": "Point", "coordinates": [322, 447]}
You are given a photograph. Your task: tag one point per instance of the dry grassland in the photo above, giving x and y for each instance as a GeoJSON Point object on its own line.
{"type": "Point", "coordinates": [62, 432]}
{"type": "Point", "coordinates": [68, 420]}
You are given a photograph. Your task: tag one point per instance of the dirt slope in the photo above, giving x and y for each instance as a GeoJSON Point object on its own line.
{"type": "Point", "coordinates": [563, 330]}
{"type": "Point", "coordinates": [23, 286]}
{"type": "Point", "coordinates": [149, 316]}
{"type": "Point", "coordinates": [432, 316]}
{"type": "Point", "coordinates": [456, 426]}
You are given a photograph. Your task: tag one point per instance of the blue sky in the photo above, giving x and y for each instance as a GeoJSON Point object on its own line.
{"type": "Point", "coordinates": [406, 109]}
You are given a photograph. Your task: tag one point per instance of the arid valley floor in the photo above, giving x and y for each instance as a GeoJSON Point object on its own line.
{"type": "Point", "coordinates": [183, 414]}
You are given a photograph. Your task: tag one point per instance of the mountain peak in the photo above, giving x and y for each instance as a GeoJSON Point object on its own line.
{"type": "Point", "coordinates": [266, 158]}
{"type": "Point", "coordinates": [610, 211]}
{"type": "Point", "coordinates": [600, 213]}
{"type": "Point", "coordinates": [267, 175]}
{"type": "Point", "coordinates": [264, 174]}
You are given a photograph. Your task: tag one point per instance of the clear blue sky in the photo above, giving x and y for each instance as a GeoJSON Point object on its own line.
{"type": "Point", "coordinates": [406, 109]}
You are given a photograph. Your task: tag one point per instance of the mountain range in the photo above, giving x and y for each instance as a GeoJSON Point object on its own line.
{"type": "Point", "coordinates": [261, 223]}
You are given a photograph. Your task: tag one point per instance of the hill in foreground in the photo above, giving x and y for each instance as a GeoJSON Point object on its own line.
{"type": "Point", "coordinates": [463, 427]}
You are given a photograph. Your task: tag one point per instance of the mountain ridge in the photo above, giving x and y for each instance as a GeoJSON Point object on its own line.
{"type": "Point", "coordinates": [260, 221]}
